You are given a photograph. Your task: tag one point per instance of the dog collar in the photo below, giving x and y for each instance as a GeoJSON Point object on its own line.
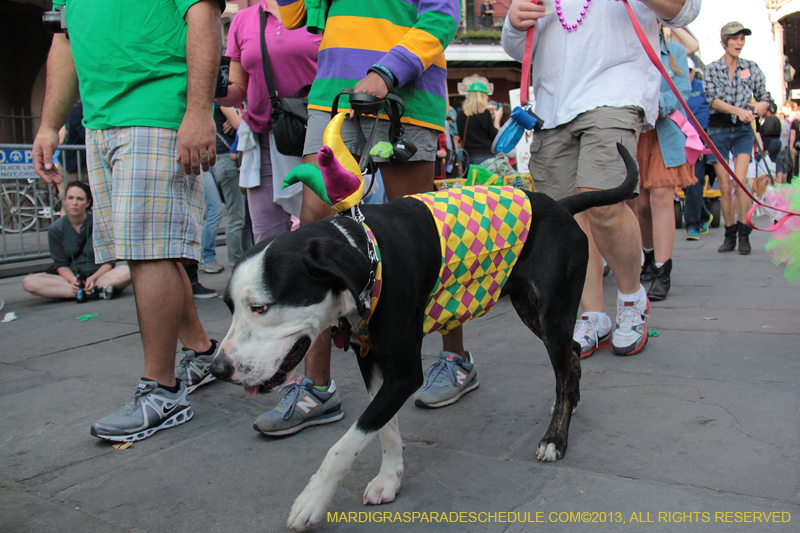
{"type": "Point", "coordinates": [370, 293]}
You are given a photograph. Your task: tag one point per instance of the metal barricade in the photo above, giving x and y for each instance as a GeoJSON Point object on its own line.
{"type": "Point", "coordinates": [28, 204]}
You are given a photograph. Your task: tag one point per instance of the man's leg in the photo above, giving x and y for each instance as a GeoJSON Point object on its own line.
{"type": "Point", "coordinates": [693, 207]}
{"type": "Point", "coordinates": [227, 176]}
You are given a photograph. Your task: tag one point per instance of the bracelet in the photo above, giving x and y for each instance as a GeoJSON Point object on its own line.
{"type": "Point", "coordinates": [385, 74]}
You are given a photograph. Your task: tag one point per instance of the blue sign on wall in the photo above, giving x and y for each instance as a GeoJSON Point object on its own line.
{"type": "Point", "coordinates": [16, 164]}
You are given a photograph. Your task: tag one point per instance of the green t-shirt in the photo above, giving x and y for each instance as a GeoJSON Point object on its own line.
{"type": "Point", "coordinates": [131, 61]}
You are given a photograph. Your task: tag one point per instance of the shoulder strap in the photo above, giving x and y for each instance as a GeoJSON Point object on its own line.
{"type": "Point", "coordinates": [265, 63]}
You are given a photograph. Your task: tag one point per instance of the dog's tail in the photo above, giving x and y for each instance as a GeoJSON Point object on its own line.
{"type": "Point", "coordinates": [581, 202]}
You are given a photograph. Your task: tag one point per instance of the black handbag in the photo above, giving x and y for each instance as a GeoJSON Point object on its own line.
{"type": "Point", "coordinates": [289, 114]}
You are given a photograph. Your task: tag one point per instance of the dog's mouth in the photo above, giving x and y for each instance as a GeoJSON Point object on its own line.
{"type": "Point", "coordinates": [290, 362]}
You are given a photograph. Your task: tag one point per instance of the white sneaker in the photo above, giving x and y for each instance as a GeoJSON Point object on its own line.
{"type": "Point", "coordinates": [592, 332]}
{"type": "Point", "coordinates": [630, 332]}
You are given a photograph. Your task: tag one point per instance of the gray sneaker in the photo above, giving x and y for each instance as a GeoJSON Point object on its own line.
{"type": "Point", "coordinates": [151, 409]}
{"type": "Point", "coordinates": [211, 267]}
{"type": "Point", "coordinates": [301, 406]}
{"type": "Point", "coordinates": [195, 370]}
{"type": "Point", "coordinates": [446, 381]}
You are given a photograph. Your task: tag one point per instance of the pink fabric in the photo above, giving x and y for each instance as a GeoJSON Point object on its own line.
{"type": "Point", "coordinates": [339, 182]}
{"type": "Point", "coordinates": [293, 57]}
{"type": "Point", "coordinates": [694, 146]}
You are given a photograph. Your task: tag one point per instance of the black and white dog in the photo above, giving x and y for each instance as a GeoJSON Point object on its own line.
{"type": "Point", "coordinates": [288, 289]}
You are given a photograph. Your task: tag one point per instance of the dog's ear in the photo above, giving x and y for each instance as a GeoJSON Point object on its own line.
{"type": "Point", "coordinates": [339, 267]}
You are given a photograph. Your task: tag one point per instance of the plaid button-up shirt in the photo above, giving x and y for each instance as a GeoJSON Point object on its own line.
{"type": "Point", "coordinates": [748, 81]}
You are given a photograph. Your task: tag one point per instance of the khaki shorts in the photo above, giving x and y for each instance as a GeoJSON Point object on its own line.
{"type": "Point", "coordinates": [145, 206]}
{"type": "Point", "coordinates": [425, 139]}
{"type": "Point", "coordinates": [583, 152]}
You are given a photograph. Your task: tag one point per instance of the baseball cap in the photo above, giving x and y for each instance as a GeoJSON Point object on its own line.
{"type": "Point", "coordinates": [478, 87]}
{"type": "Point", "coordinates": [691, 64]}
{"type": "Point", "coordinates": [732, 28]}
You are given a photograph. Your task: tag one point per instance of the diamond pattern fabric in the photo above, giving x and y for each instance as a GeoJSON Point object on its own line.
{"type": "Point", "coordinates": [481, 231]}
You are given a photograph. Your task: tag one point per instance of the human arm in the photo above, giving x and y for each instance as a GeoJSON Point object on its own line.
{"type": "Point", "coordinates": [58, 255]}
{"type": "Point", "coordinates": [61, 93]}
{"type": "Point", "coordinates": [237, 85]}
{"type": "Point", "coordinates": [197, 132]}
{"type": "Point", "coordinates": [686, 40]}
{"type": "Point", "coordinates": [91, 280]}
{"type": "Point", "coordinates": [522, 14]}
{"type": "Point", "coordinates": [420, 48]}
{"type": "Point", "coordinates": [233, 118]}
{"type": "Point", "coordinates": [760, 93]}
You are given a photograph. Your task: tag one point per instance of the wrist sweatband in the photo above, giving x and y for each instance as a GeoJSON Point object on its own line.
{"type": "Point", "coordinates": [385, 74]}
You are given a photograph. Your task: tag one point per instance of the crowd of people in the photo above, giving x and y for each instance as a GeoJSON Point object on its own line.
{"type": "Point", "coordinates": [159, 148]}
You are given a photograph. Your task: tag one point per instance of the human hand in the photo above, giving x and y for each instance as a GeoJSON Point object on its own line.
{"type": "Point", "coordinates": [523, 14]}
{"type": "Point", "coordinates": [44, 145]}
{"type": "Point", "coordinates": [227, 128]}
{"type": "Point", "coordinates": [441, 153]}
{"type": "Point", "coordinates": [745, 115]}
{"type": "Point", "coordinates": [760, 108]}
{"type": "Point", "coordinates": [197, 142]}
{"type": "Point", "coordinates": [75, 285]}
{"type": "Point", "coordinates": [370, 84]}
{"type": "Point", "coordinates": [90, 283]}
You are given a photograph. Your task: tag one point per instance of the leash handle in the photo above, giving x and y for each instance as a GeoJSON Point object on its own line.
{"type": "Point", "coordinates": [656, 60]}
{"type": "Point", "coordinates": [772, 227]}
{"type": "Point", "coordinates": [526, 66]}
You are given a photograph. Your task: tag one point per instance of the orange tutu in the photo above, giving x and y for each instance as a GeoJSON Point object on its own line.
{"type": "Point", "coordinates": [653, 174]}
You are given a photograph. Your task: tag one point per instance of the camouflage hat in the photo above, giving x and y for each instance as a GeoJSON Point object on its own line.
{"type": "Point", "coordinates": [732, 28]}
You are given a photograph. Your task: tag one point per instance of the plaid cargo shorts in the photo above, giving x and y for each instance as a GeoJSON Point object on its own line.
{"type": "Point", "coordinates": [145, 206]}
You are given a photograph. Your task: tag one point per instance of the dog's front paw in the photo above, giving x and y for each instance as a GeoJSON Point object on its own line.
{"type": "Point", "coordinates": [309, 508]}
{"type": "Point", "coordinates": [383, 488]}
{"type": "Point", "coordinates": [548, 451]}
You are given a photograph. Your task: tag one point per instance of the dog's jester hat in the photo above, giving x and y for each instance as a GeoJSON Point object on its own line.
{"type": "Point", "coordinates": [337, 180]}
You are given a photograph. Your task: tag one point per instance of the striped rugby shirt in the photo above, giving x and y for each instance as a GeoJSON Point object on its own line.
{"type": "Point", "coordinates": [748, 81]}
{"type": "Point", "coordinates": [407, 37]}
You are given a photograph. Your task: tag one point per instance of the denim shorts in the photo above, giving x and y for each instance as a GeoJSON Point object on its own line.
{"type": "Point", "coordinates": [732, 141]}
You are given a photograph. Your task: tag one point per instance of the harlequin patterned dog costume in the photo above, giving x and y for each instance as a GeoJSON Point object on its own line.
{"type": "Point", "coordinates": [481, 233]}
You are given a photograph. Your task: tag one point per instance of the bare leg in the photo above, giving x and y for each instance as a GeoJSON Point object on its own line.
{"type": "Point", "coordinates": [592, 297]}
{"type": "Point", "coordinates": [165, 309]}
{"type": "Point", "coordinates": [726, 198]}
{"type": "Point", "coordinates": [645, 213]}
{"type": "Point", "coordinates": [118, 277]}
{"type": "Point", "coordinates": [663, 222]}
{"type": "Point", "coordinates": [48, 286]}
{"type": "Point", "coordinates": [616, 233]}
{"type": "Point", "coordinates": [741, 162]}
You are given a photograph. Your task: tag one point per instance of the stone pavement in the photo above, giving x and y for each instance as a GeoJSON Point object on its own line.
{"type": "Point", "coordinates": [704, 421]}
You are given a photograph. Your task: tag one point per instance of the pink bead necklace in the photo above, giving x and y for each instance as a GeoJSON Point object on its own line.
{"type": "Point", "coordinates": [567, 26]}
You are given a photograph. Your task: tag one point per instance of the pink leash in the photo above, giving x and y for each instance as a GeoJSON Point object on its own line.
{"type": "Point", "coordinates": [656, 59]}
{"type": "Point", "coordinates": [526, 67]}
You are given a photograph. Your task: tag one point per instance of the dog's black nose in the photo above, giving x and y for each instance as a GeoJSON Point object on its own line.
{"type": "Point", "coordinates": [222, 367]}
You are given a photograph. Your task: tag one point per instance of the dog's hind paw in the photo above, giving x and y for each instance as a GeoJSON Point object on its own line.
{"type": "Point", "coordinates": [384, 488]}
{"type": "Point", "coordinates": [308, 509]}
{"type": "Point", "coordinates": [548, 452]}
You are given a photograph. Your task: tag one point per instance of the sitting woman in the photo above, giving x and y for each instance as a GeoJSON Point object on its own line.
{"type": "Point", "coordinates": [70, 239]}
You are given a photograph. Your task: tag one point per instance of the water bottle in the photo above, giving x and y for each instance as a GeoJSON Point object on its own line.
{"type": "Point", "coordinates": [80, 296]}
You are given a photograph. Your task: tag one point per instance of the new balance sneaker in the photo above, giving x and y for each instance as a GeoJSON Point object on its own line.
{"type": "Point", "coordinates": [300, 406]}
{"type": "Point", "coordinates": [630, 332]}
{"type": "Point", "coordinates": [195, 369]}
{"type": "Point", "coordinates": [211, 267]}
{"type": "Point", "coordinates": [592, 332]}
{"type": "Point", "coordinates": [151, 409]}
{"type": "Point", "coordinates": [447, 380]}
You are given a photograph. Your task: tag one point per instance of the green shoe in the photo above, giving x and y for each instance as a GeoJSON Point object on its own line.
{"type": "Point", "coordinates": [704, 225]}
{"type": "Point", "coordinates": [301, 405]}
{"type": "Point", "coordinates": [446, 381]}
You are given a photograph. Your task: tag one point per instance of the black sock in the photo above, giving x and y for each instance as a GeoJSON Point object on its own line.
{"type": "Point", "coordinates": [174, 389]}
{"type": "Point", "coordinates": [210, 351]}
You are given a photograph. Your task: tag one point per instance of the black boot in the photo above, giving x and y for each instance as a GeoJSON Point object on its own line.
{"type": "Point", "coordinates": [730, 239]}
{"type": "Point", "coordinates": [744, 238]}
{"type": "Point", "coordinates": [661, 282]}
{"type": "Point", "coordinates": [648, 267]}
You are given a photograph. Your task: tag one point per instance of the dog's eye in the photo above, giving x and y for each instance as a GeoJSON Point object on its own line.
{"type": "Point", "coordinates": [259, 309]}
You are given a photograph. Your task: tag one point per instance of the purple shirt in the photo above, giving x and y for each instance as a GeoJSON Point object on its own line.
{"type": "Point", "coordinates": [293, 58]}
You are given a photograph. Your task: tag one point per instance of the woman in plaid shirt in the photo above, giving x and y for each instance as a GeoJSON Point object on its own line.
{"type": "Point", "coordinates": [730, 84]}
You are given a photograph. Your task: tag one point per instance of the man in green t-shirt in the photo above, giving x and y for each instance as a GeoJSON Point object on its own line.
{"type": "Point", "coordinates": [147, 72]}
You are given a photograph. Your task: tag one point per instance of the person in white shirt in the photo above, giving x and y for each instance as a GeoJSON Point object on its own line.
{"type": "Point", "coordinates": [595, 87]}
